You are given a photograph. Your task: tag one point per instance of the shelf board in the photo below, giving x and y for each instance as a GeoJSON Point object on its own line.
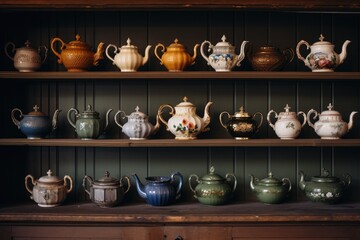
{"type": "Point", "coordinates": [190, 75]}
{"type": "Point", "coordinates": [179, 143]}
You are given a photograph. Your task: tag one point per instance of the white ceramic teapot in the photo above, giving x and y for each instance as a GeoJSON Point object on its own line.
{"type": "Point", "coordinates": [26, 59]}
{"type": "Point", "coordinates": [287, 125]}
{"type": "Point", "coordinates": [184, 123]}
{"type": "Point", "coordinates": [138, 126]}
{"type": "Point", "coordinates": [330, 124]}
{"type": "Point", "coordinates": [322, 57]}
{"type": "Point", "coordinates": [127, 58]}
{"type": "Point", "coordinates": [223, 58]}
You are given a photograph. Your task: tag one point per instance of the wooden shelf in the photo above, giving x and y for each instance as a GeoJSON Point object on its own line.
{"type": "Point", "coordinates": [191, 75]}
{"type": "Point", "coordinates": [179, 143]}
{"type": "Point", "coordinates": [253, 212]}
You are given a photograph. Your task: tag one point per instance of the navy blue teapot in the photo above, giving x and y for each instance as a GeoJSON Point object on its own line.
{"type": "Point", "coordinates": [160, 190]}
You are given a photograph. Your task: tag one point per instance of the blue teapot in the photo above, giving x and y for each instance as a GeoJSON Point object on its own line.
{"type": "Point", "coordinates": [160, 190]}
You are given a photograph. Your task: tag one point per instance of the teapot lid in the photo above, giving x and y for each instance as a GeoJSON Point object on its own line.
{"type": "Point", "coordinates": [27, 46]}
{"type": "Point", "coordinates": [223, 43]}
{"type": "Point", "coordinates": [176, 45]}
{"type": "Point", "coordinates": [241, 113]}
{"type": "Point", "coordinates": [50, 178]}
{"type": "Point", "coordinates": [36, 112]}
{"type": "Point", "coordinates": [322, 42]}
{"type": "Point", "coordinates": [107, 180]}
{"type": "Point", "coordinates": [89, 111]}
{"type": "Point", "coordinates": [270, 180]}
{"type": "Point", "coordinates": [185, 103]}
{"type": "Point", "coordinates": [325, 178]}
{"type": "Point", "coordinates": [330, 111]}
{"type": "Point", "coordinates": [287, 111]}
{"type": "Point", "coordinates": [138, 114]}
{"type": "Point", "coordinates": [128, 46]}
{"type": "Point", "coordinates": [212, 176]}
{"type": "Point", "coordinates": [77, 43]}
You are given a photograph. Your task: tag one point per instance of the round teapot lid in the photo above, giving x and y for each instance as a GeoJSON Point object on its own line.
{"type": "Point", "coordinates": [36, 112]}
{"type": "Point", "coordinates": [185, 103]}
{"type": "Point", "coordinates": [107, 180]}
{"type": "Point", "coordinates": [270, 180]}
{"type": "Point", "coordinates": [89, 111]}
{"type": "Point", "coordinates": [50, 178]}
{"type": "Point", "coordinates": [223, 43]}
{"type": "Point", "coordinates": [176, 45]}
{"type": "Point", "coordinates": [77, 43]}
{"type": "Point", "coordinates": [128, 46]}
{"type": "Point", "coordinates": [241, 113]}
{"type": "Point", "coordinates": [27, 46]}
{"type": "Point", "coordinates": [325, 178]}
{"type": "Point", "coordinates": [212, 176]}
{"type": "Point", "coordinates": [287, 111]}
{"type": "Point", "coordinates": [138, 114]}
{"type": "Point", "coordinates": [330, 111]}
{"type": "Point", "coordinates": [322, 42]}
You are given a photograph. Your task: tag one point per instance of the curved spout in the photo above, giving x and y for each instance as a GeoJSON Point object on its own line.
{"type": "Point", "coordinates": [343, 53]}
{"type": "Point", "coordinates": [241, 55]}
{"type": "Point", "coordinates": [55, 119]}
{"type": "Point", "coordinates": [350, 125]}
{"type": "Point", "coordinates": [107, 118]}
{"type": "Point", "coordinates": [302, 182]}
{"type": "Point", "coordinates": [146, 56]}
{"type": "Point", "coordinates": [206, 118]}
{"type": "Point", "coordinates": [139, 186]}
{"type": "Point", "coordinates": [195, 54]}
{"type": "Point", "coordinates": [157, 125]}
{"type": "Point", "coordinates": [252, 184]}
{"type": "Point", "coordinates": [99, 54]}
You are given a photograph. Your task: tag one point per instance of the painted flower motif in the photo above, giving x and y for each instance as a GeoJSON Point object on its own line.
{"type": "Point", "coordinates": [186, 127]}
{"type": "Point", "coordinates": [329, 195]}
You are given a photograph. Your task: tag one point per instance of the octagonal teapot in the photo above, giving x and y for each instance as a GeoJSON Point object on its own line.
{"type": "Point", "coordinates": [223, 57]}
{"type": "Point", "coordinates": [127, 58]}
{"type": "Point", "coordinates": [330, 124]}
{"type": "Point", "coordinates": [322, 57]}
{"type": "Point", "coordinates": [184, 123]}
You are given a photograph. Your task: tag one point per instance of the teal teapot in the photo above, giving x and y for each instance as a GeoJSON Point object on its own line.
{"type": "Point", "coordinates": [88, 124]}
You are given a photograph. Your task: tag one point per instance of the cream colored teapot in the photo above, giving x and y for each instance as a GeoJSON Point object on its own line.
{"type": "Point", "coordinates": [127, 57]}
{"type": "Point", "coordinates": [184, 123]}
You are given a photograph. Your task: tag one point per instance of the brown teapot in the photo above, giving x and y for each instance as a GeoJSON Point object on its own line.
{"type": "Point", "coordinates": [270, 58]}
{"type": "Point", "coordinates": [76, 55]}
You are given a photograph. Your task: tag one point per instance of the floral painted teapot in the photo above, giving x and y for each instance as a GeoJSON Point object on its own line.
{"type": "Point", "coordinates": [138, 126]}
{"type": "Point", "coordinates": [287, 125]}
{"type": "Point", "coordinates": [184, 123]}
{"type": "Point", "coordinates": [330, 124]}
{"type": "Point", "coordinates": [127, 58]}
{"type": "Point", "coordinates": [175, 58]}
{"type": "Point", "coordinates": [223, 58]}
{"type": "Point", "coordinates": [76, 55]}
{"type": "Point", "coordinates": [26, 59]}
{"type": "Point", "coordinates": [322, 57]}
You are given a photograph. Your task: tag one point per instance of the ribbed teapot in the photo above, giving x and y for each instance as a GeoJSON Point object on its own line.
{"type": "Point", "coordinates": [127, 57]}
{"type": "Point", "coordinates": [175, 57]}
{"type": "Point", "coordinates": [185, 124]}
{"type": "Point", "coordinates": [26, 59]}
{"type": "Point", "coordinates": [322, 57]}
{"type": "Point", "coordinates": [77, 55]}
{"type": "Point", "coordinates": [223, 57]}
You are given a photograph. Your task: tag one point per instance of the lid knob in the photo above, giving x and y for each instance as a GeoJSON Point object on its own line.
{"type": "Point", "coordinates": [287, 108]}
{"type": "Point", "coordinates": [321, 38]}
{"type": "Point", "coordinates": [77, 37]}
{"type": "Point", "coordinates": [270, 175]}
{"type": "Point", "coordinates": [36, 108]}
{"type": "Point", "coordinates": [212, 169]}
{"type": "Point", "coordinates": [330, 107]}
{"type": "Point", "coordinates": [27, 43]}
{"type": "Point", "coordinates": [49, 173]}
{"type": "Point", "coordinates": [176, 40]}
{"type": "Point", "coordinates": [88, 108]}
{"type": "Point", "coordinates": [128, 41]}
{"type": "Point", "coordinates": [185, 99]}
{"type": "Point", "coordinates": [137, 109]}
{"type": "Point", "coordinates": [223, 38]}
{"type": "Point", "coordinates": [107, 174]}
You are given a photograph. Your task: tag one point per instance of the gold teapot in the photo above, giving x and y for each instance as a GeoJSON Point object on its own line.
{"type": "Point", "coordinates": [175, 58]}
{"type": "Point", "coordinates": [76, 55]}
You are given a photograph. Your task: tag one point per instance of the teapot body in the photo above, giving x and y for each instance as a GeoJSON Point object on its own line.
{"type": "Point", "coordinates": [269, 58]}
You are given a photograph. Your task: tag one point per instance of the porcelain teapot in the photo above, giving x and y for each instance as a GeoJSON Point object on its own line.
{"type": "Point", "coordinates": [106, 191]}
{"type": "Point", "coordinates": [77, 55]}
{"type": "Point", "coordinates": [26, 59]}
{"type": "Point", "coordinates": [324, 188]}
{"type": "Point", "coordinates": [138, 126]}
{"type": "Point", "coordinates": [213, 189]}
{"type": "Point", "coordinates": [223, 57]}
{"type": "Point", "coordinates": [49, 191]}
{"type": "Point", "coordinates": [174, 57]}
{"type": "Point", "coordinates": [127, 58]}
{"type": "Point", "coordinates": [322, 57]}
{"type": "Point", "coordinates": [35, 124]}
{"type": "Point", "coordinates": [88, 124]}
{"type": "Point", "coordinates": [241, 125]}
{"type": "Point", "coordinates": [330, 124]}
{"type": "Point", "coordinates": [184, 123]}
{"type": "Point", "coordinates": [287, 125]}
{"type": "Point", "coordinates": [270, 58]}
{"type": "Point", "coordinates": [160, 190]}
{"type": "Point", "coordinates": [270, 190]}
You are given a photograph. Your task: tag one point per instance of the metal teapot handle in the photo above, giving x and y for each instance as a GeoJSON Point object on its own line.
{"type": "Point", "coordinates": [26, 183]}
{"type": "Point", "coordinates": [160, 112]}
{"type": "Point", "coordinates": [107, 54]}
{"type": "Point", "coordinates": [90, 181]}
{"type": "Point", "coordinates": [304, 117]}
{"type": "Point", "coordinates": [220, 118]}
{"type": "Point", "coordinates": [127, 183]}
{"type": "Point", "coordinates": [115, 118]}
{"type": "Point", "coordinates": [70, 181]}
{"type": "Point", "coordinates": [302, 42]}
{"type": "Point", "coordinates": [196, 179]}
{"type": "Point", "coordinates": [289, 54]}
{"type": "Point", "coordinates": [235, 180]}
{"type": "Point", "coordinates": [156, 54]}
{"type": "Point", "coordinates": [61, 47]}
{"type": "Point", "coordinates": [12, 49]}
{"type": "Point", "coordinates": [45, 52]}
{"type": "Point", "coordinates": [202, 50]}
{"type": "Point", "coordinates": [72, 123]}
{"type": "Point", "coordinates": [179, 186]}
{"type": "Point", "coordinates": [13, 118]}
{"type": "Point", "coordinates": [308, 117]}
{"type": "Point", "coordinates": [286, 181]}
{"type": "Point", "coordinates": [261, 119]}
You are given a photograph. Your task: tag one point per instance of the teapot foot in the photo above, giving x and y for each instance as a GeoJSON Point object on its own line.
{"type": "Point", "coordinates": [185, 138]}
{"type": "Point", "coordinates": [48, 205]}
{"type": "Point", "coordinates": [330, 138]}
{"type": "Point", "coordinates": [322, 70]}
{"type": "Point", "coordinates": [241, 138]}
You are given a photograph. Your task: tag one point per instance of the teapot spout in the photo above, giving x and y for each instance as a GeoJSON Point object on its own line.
{"type": "Point", "coordinates": [107, 118]}
{"type": "Point", "coordinates": [343, 53]}
{"type": "Point", "coordinates": [139, 186]}
{"type": "Point", "coordinates": [350, 124]}
{"type": "Point", "coordinates": [157, 125]}
{"type": "Point", "coordinates": [206, 118]}
{"type": "Point", "coordinates": [302, 182]}
{"type": "Point", "coordinates": [252, 183]}
{"type": "Point", "coordinates": [99, 54]}
{"type": "Point", "coordinates": [195, 54]}
{"type": "Point", "coordinates": [241, 56]}
{"type": "Point", "coordinates": [146, 55]}
{"type": "Point", "coordinates": [55, 119]}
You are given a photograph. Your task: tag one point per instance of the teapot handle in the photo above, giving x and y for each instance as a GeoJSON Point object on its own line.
{"type": "Point", "coordinates": [70, 181]}
{"type": "Point", "coordinates": [235, 180]}
{"type": "Point", "coordinates": [160, 112]}
{"type": "Point", "coordinates": [304, 116]}
{"type": "Point", "coordinates": [26, 183]}
{"type": "Point", "coordinates": [12, 49]}
{"type": "Point", "coordinates": [90, 181]}
{"type": "Point", "coordinates": [220, 118]}
{"type": "Point", "coordinates": [348, 180]}
{"type": "Point", "coordinates": [72, 123]}
{"type": "Point", "coordinates": [178, 189]}
{"type": "Point", "coordinates": [45, 52]}
{"type": "Point", "coordinates": [308, 117]}
{"type": "Point", "coordinates": [289, 54]}
{"type": "Point", "coordinates": [302, 42]}
{"type": "Point", "coordinates": [261, 119]}
{"type": "Point", "coordinates": [53, 49]}
{"type": "Point", "coordinates": [287, 181]}
{"type": "Point", "coordinates": [115, 118]}
{"type": "Point", "coordinates": [202, 50]}
{"type": "Point", "coordinates": [107, 52]}
{"type": "Point", "coordinates": [13, 118]}
{"type": "Point", "coordinates": [127, 182]}
{"type": "Point", "coordinates": [196, 179]}
{"type": "Point", "coordinates": [155, 51]}
{"type": "Point", "coordinates": [268, 118]}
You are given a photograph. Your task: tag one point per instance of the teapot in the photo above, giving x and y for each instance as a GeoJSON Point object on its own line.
{"type": "Point", "coordinates": [175, 58]}
{"type": "Point", "coordinates": [184, 123]}
{"type": "Point", "coordinates": [287, 125]}
{"type": "Point", "coordinates": [107, 191]}
{"type": "Point", "coordinates": [330, 124]}
{"type": "Point", "coordinates": [138, 126]}
{"type": "Point", "coordinates": [324, 188]}
{"type": "Point", "coordinates": [160, 190]}
{"type": "Point", "coordinates": [26, 59]}
{"type": "Point", "coordinates": [241, 125]}
{"type": "Point", "coordinates": [35, 124]}
{"type": "Point", "coordinates": [49, 191]}
{"type": "Point", "coordinates": [87, 124]}
{"type": "Point", "coordinates": [270, 58]}
{"type": "Point", "coordinates": [223, 57]}
{"type": "Point", "coordinates": [270, 190]}
{"type": "Point", "coordinates": [322, 57]}
{"type": "Point", "coordinates": [127, 58]}
{"type": "Point", "coordinates": [213, 189]}
{"type": "Point", "coordinates": [76, 55]}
